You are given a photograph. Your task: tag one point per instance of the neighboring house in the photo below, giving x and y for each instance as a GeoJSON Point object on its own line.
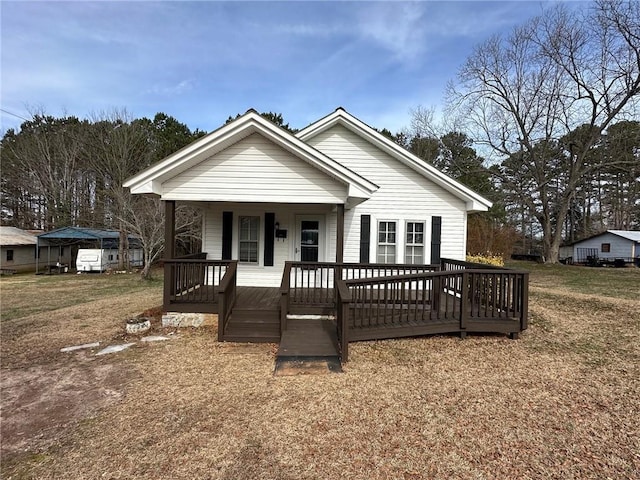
{"type": "Point", "coordinates": [17, 250]}
{"type": "Point", "coordinates": [606, 246]}
{"type": "Point", "coordinates": [336, 191]}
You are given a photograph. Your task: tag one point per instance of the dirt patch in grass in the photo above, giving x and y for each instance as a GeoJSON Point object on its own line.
{"type": "Point", "coordinates": [39, 403]}
{"type": "Point", "coordinates": [46, 393]}
{"type": "Point", "coordinates": [561, 402]}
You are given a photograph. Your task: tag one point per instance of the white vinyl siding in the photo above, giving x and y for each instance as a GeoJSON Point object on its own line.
{"type": "Point", "coordinates": [619, 247]}
{"type": "Point", "coordinates": [403, 191]}
{"type": "Point", "coordinates": [255, 170]}
{"type": "Point", "coordinates": [387, 239]}
{"type": "Point", "coordinates": [414, 245]}
{"type": "Point", "coordinates": [284, 249]}
{"type": "Point", "coordinates": [248, 236]}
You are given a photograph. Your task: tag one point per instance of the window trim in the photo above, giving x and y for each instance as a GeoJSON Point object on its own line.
{"type": "Point", "coordinates": [387, 244]}
{"type": "Point", "coordinates": [413, 246]}
{"type": "Point", "coordinates": [607, 249]}
{"type": "Point", "coordinates": [10, 255]}
{"type": "Point", "coordinates": [256, 241]}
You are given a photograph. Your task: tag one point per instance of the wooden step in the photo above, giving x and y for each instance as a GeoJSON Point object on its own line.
{"type": "Point", "coordinates": [250, 325]}
{"type": "Point", "coordinates": [255, 316]}
{"type": "Point", "coordinates": [242, 338]}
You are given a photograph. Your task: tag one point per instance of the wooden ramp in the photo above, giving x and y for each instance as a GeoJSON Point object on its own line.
{"type": "Point", "coordinates": [309, 338]}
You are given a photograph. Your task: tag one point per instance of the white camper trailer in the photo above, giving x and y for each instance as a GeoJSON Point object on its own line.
{"type": "Point", "coordinates": [99, 260]}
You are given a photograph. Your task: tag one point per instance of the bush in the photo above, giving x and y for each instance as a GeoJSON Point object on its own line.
{"type": "Point", "coordinates": [487, 258]}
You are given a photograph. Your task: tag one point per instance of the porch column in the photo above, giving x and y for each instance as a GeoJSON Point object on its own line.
{"type": "Point", "coordinates": [169, 229]}
{"type": "Point", "coordinates": [340, 233]}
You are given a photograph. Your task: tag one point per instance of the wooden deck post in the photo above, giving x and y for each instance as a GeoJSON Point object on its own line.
{"type": "Point", "coordinates": [465, 294]}
{"type": "Point", "coordinates": [169, 251]}
{"type": "Point", "coordinates": [524, 314]}
{"type": "Point", "coordinates": [340, 233]}
{"type": "Point", "coordinates": [169, 229]}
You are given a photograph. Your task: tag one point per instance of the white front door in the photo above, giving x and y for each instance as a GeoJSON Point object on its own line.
{"type": "Point", "coordinates": [309, 238]}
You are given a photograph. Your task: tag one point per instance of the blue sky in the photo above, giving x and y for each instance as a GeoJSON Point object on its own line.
{"type": "Point", "coordinates": [203, 61]}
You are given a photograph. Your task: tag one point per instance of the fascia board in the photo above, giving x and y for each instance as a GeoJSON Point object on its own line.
{"type": "Point", "coordinates": [150, 186]}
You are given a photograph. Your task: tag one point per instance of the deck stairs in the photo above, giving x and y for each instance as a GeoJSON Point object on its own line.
{"type": "Point", "coordinates": [255, 317]}
{"type": "Point", "coordinates": [253, 325]}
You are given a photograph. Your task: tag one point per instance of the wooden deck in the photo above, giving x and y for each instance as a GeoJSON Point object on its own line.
{"type": "Point", "coordinates": [367, 302]}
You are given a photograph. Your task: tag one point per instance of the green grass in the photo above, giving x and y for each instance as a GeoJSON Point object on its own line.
{"type": "Point", "coordinates": [608, 282]}
{"type": "Point", "coordinates": [28, 294]}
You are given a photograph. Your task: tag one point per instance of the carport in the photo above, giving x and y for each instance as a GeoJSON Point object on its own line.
{"type": "Point", "coordinates": [63, 244]}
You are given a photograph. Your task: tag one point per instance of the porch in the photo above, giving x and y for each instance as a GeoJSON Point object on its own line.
{"type": "Point", "coordinates": [352, 301]}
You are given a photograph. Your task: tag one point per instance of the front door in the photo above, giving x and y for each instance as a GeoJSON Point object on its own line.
{"type": "Point", "coordinates": [309, 239]}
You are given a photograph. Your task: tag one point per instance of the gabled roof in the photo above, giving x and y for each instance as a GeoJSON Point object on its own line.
{"type": "Point", "coordinates": [14, 236]}
{"type": "Point", "coordinates": [632, 235]}
{"type": "Point", "coordinates": [150, 180]}
{"type": "Point", "coordinates": [340, 116]}
{"type": "Point", "coordinates": [628, 234]}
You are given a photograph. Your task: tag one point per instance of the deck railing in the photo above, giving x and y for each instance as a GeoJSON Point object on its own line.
{"type": "Point", "coordinates": [309, 287]}
{"type": "Point", "coordinates": [190, 283]}
{"type": "Point", "coordinates": [226, 297]}
{"type": "Point", "coordinates": [462, 298]}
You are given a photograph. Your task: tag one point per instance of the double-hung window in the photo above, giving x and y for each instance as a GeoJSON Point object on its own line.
{"type": "Point", "coordinates": [414, 247]}
{"type": "Point", "coordinates": [386, 242]}
{"type": "Point", "coordinates": [248, 237]}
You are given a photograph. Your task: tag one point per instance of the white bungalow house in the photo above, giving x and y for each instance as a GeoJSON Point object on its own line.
{"type": "Point", "coordinates": [335, 220]}
{"type": "Point", "coordinates": [336, 191]}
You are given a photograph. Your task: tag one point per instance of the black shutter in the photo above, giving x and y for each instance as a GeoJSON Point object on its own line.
{"type": "Point", "coordinates": [365, 237]}
{"type": "Point", "coordinates": [227, 235]}
{"type": "Point", "coordinates": [436, 233]}
{"type": "Point", "coordinates": [269, 236]}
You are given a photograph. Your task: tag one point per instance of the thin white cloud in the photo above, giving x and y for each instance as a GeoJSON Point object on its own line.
{"type": "Point", "coordinates": [398, 27]}
{"type": "Point", "coordinates": [171, 90]}
{"type": "Point", "coordinates": [309, 29]}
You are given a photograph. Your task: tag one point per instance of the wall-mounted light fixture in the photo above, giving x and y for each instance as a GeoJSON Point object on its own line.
{"type": "Point", "coordinates": [280, 234]}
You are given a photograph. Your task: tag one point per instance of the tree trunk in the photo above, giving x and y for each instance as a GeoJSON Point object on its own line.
{"type": "Point", "coordinates": [146, 269]}
{"type": "Point", "coordinates": [121, 248]}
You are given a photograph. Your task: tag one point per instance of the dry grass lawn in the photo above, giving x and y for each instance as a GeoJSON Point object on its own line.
{"type": "Point", "coordinates": [561, 402]}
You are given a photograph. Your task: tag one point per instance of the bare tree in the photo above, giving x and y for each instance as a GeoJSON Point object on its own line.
{"type": "Point", "coordinates": [523, 96]}
{"type": "Point", "coordinates": [43, 161]}
{"type": "Point", "coordinates": [119, 147]}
